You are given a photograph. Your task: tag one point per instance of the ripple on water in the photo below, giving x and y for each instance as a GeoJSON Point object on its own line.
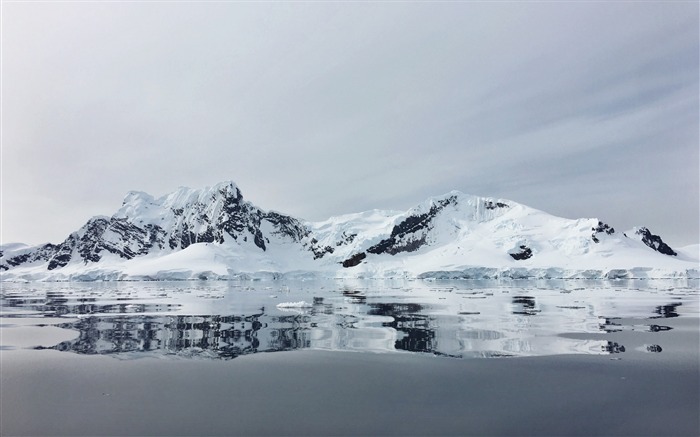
{"type": "Point", "coordinates": [455, 319]}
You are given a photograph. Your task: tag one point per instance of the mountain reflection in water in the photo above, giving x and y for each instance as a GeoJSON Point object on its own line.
{"type": "Point", "coordinates": [220, 322]}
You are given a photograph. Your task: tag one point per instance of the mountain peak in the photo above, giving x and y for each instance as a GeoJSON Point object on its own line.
{"type": "Point", "coordinates": [214, 232]}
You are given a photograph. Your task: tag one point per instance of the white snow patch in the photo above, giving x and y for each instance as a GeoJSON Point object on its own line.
{"type": "Point", "coordinates": [299, 304]}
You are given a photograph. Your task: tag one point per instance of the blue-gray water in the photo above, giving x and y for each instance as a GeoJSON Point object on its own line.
{"type": "Point", "coordinates": [462, 357]}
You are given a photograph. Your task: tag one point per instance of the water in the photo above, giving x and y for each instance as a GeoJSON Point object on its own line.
{"type": "Point", "coordinates": [221, 320]}
{"type": "Point", "coordinates": [457, 342]}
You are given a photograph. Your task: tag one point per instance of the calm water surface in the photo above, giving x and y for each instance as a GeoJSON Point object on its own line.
{"type": "Point", "coordinates": [463, 327]}
{"type": "Point", "coordinates": [222, 320]}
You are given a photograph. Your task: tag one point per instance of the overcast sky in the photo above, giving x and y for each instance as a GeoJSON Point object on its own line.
{"type": "Point", "coordinates": [580, 109]}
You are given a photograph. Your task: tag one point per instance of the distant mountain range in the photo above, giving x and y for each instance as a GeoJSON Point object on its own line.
{"type": "Point", "coordinates": [213, 233]}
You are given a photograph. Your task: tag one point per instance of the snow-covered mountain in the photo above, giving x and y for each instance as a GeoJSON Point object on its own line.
{"type": "Point", "coordinates": [214, 233]}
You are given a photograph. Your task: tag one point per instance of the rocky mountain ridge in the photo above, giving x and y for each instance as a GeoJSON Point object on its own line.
{"type": "Point", "coordinates": [215, 227]}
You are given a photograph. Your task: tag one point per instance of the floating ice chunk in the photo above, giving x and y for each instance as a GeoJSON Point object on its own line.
{"type": "Point", "coordinates": [300, 304]}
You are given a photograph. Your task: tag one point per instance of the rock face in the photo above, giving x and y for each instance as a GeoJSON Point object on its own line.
{"type": "Point", "coordinates": [411, 233]}
{"type": "Point", "coordinates": [524, 253]}
{"type": "Point", "coordinates": [354, 260]}
{"type": "Point", "coordinates": [654, 241]}
{"type": "Point", "coordinates": [145, 225]}
{"type": "Point", "coordinates": [220, 230]}
{"type": "Point", "coordinates": [602, 228]}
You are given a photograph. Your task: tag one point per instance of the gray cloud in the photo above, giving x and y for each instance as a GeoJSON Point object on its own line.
{"type": "Point", "coordinates": [579, 109]}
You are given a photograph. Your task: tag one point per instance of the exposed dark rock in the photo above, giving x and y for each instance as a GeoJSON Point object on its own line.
{"type": "Point", "coordinates": [346, 239]}
{"type": "Point", "coordinates": [89, 244]}
{"type": "Point", "coordinates": [63, 252]}
{"type": "Point", "coordinates": [392, 246]}
{"type": "Point", "coordinates": [655, 242]}
{"type": "Point", "coordinates": [60, 260]}
{"type": "Point", "coordinates": [210, 235]}
{"type": "Point", "coordinates": [19, 259]}
{"type": "Point", "coordinates": [524, 253]}
{"type": "Point", "coordinates": [493, 205]}
{"type": "Point", "coordinates": [42, 253]}
{"type": "Point", "coordinates": [403, 238]}
{"type": "Point", "coordinates": [130, 241]}
{"type": "Point", "coordinates": [601, 228]}
{"type": "Point", "coordinates": [287, 226]}
{"type": "Point", "coordinates": [354, 260]}
{"type": "Point", "coordinates": [258, 239]}
{"type": "Point", "coordinates": [319, 251]}
{"type": "Point", "coordinates": [238, 218]}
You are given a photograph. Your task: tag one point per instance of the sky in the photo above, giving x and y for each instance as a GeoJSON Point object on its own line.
{"type": "Point", "coordinates": [580, 109]}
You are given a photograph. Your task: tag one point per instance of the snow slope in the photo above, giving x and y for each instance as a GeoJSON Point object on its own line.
{"type": "Point", "coordinates": [214, 233]}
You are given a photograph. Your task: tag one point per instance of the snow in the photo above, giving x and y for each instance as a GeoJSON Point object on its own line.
{"type": "Point", "coordinates": [11, 247]}
{"type": "Point", "coordinates": [466, 239]}
{"type": "Point", "coordinates": [299, 304]}
{"type": "Point", "coordinates": [690, 252]}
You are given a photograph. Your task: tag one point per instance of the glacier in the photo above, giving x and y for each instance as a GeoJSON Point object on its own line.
{"type": "Point", "coordinates": [214, 233]}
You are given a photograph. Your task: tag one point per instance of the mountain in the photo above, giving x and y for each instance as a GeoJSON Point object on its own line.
{"type": "Point", "coordinates": [214, 233]}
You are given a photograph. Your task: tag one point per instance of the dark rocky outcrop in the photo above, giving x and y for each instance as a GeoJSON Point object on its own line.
{"type": "Point", "coordinates": [493, 205]}
{"type": "Point", "coordinates": [600, 229]}
{"type": "Point", "coordinates": [655, 242]}
{"type": "Point", "coordinates": [117, 236]}
{"type": "Point", "coordinates": [287, 226]}
{"type": "Point", "coordinates": [318, 250]}
{"type": "Point", "coordinates": [354, 260]}
{"type": "Point", "coordinates": [405, 236]}
{"type": "Point", "coordinates": [38, 254]}
{"type": "Point", "coordinates": [524, 253]}
{"type": "Point", "coordinates": [345, 239]}
{"type": "Point", "coordinates": [20, 259]}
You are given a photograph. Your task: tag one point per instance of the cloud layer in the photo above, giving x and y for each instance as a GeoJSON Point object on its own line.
{"type": "Point", "coordinates": [578, 109]}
